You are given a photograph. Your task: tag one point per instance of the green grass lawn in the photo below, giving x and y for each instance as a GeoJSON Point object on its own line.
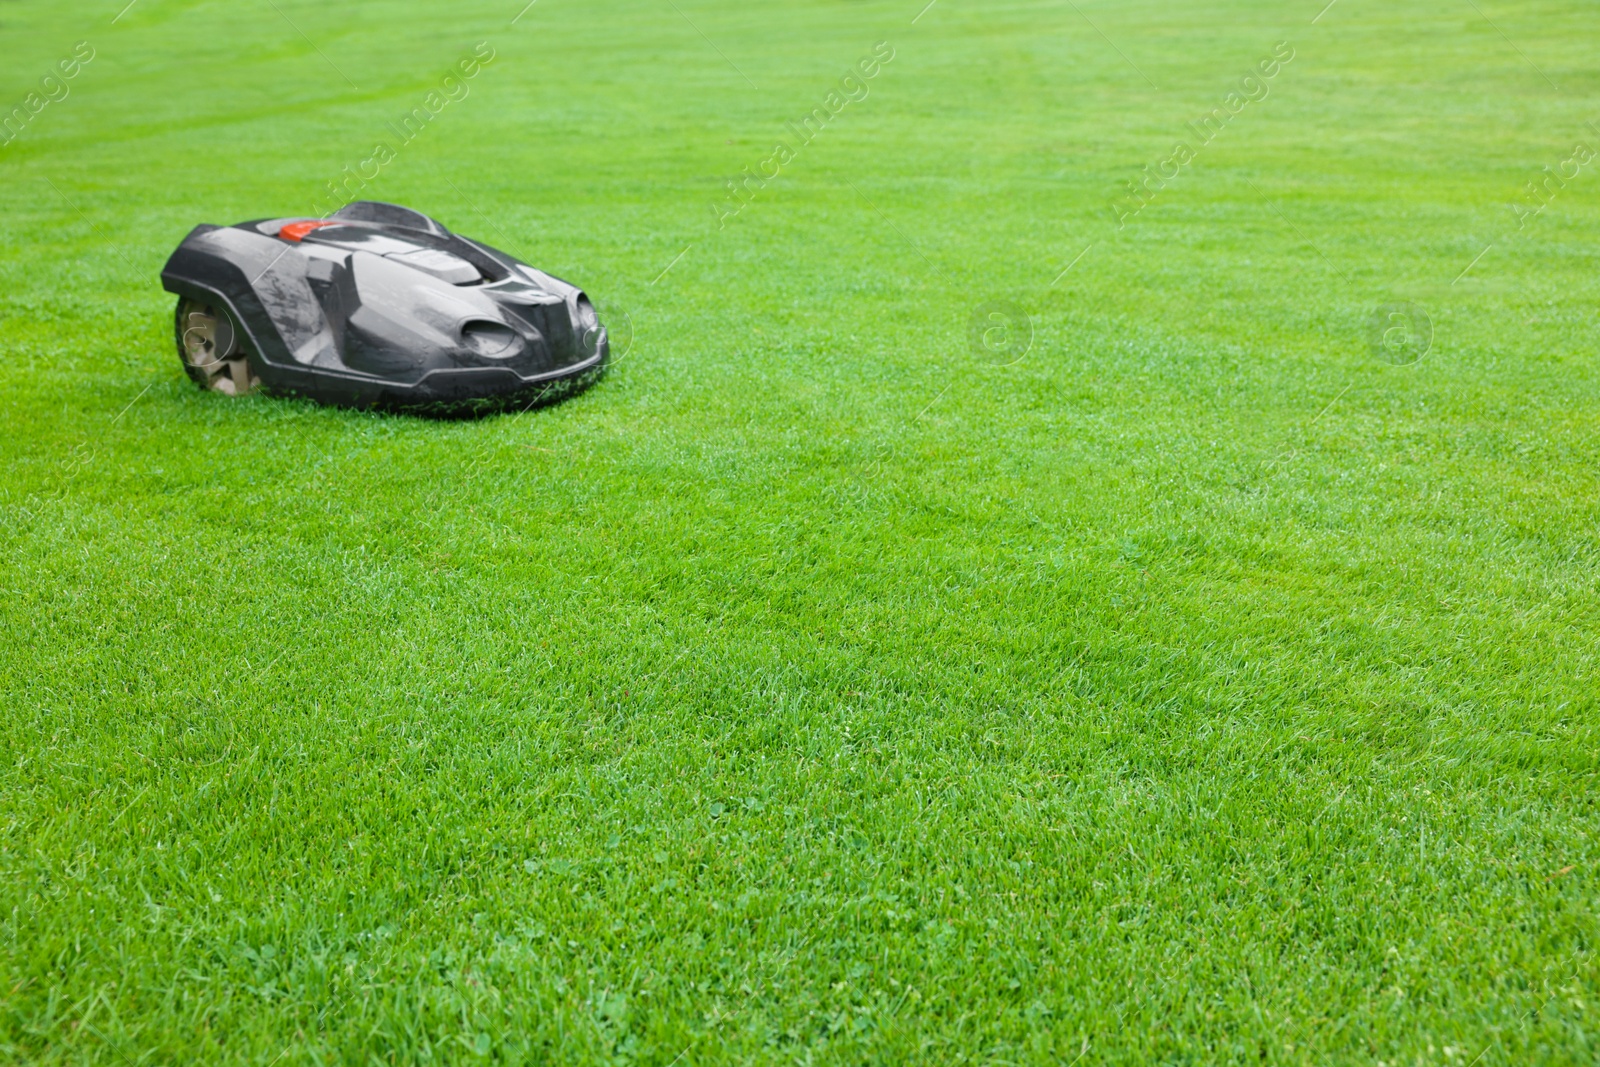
{"type": "Point", "coordinates": [1195, 684]}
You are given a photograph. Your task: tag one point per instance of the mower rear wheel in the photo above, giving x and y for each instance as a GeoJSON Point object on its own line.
{"type": "Point", "coordinates": [209, 346]}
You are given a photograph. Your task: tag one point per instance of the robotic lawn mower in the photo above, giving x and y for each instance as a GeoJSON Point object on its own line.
{"type": "Point", "coordinates": [378, 306]}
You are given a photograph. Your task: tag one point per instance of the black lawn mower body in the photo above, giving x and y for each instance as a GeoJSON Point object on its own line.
{"type": "Point", "coordinates": [378, 306]}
